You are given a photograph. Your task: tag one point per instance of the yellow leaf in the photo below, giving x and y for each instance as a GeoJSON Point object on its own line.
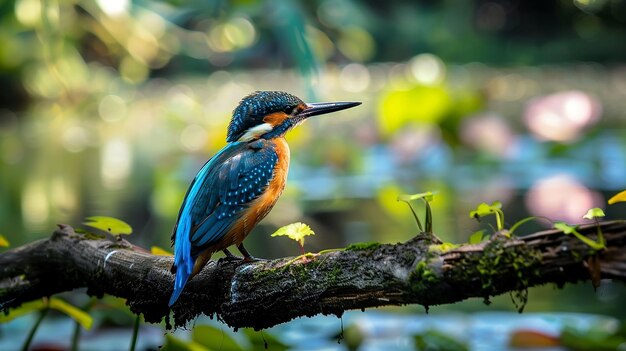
{"type": "Point", "coordinates": [3, 241]}
{"type": "Point", "coordinates": [80, 316]}
{"type": "Point", "coordinates": [295, 231]}
{"type": "Point", "coordinates": [25, 308]}
{"type": "Point", "coordinates": [83, 318]}
{"type": "Point", "coordinates": [109, 224]}
{"type": "Point", "coordinates": [155, 250]}
{"type": "Point", "coordinates": [620, 197]}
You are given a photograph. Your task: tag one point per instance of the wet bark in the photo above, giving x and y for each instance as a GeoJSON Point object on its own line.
{"type": "Point", "coordinates": [263, 294]}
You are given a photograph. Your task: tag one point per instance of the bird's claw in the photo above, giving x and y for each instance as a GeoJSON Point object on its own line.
{"type": "Point", "coordinates": [229, 259]}
{"type": "Point", "coordinates": [250, 259]}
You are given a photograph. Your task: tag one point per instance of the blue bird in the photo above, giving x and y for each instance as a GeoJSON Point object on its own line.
{"type": "Point", "coordinates": [240, 184]}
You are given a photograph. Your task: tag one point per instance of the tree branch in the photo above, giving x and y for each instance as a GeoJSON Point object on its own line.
{"type": "Point", "coordinates": [266, 293]}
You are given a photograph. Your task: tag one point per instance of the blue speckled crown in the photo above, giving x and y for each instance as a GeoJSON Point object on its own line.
{"type": "Point", "coordinates": [254, 107]}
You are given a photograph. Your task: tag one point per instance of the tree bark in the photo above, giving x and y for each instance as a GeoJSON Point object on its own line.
{"type": "Point", "coordinates": [263, 294]}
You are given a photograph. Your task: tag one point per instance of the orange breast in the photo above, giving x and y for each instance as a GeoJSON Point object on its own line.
{"type": "Point", "coordinates": [261, 206]}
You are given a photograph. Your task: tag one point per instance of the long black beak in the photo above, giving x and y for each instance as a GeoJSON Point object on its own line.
{"type": "Point", "coordinates": [320, 108]}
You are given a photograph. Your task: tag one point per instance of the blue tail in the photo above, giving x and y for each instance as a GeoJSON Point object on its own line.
{"type": "Point", "coordinates": [179, 284]}
{"type": "Point", "coordinates": [182, 257]}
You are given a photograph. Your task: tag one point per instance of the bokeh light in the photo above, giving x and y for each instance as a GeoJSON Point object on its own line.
{"type": "Point", "coordinates": [489, 133]}
{"type": "Point", "coordinates": [354, 78]}
{"type": "Point", "coordinates": [114, 7]}
{"type": "Point", "coordinates": [562, 116]}
{"type": "Point", "coordinates": [116, 163]}
{"type": "Point", "coordinates": [561, 198]}
{"type": "Point", "coordinates": [427, 69]}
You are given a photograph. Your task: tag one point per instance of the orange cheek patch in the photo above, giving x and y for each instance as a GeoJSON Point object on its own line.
{"type": "Point", "coordinates": [302, 107]}
{"type": "Point", "coordinates": [275, 118]}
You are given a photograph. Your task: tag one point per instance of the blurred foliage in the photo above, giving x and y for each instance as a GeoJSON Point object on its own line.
{"type": "Point", "coordinates": [207, 337]}
{"type": "Point", "coordinates": [4, 242]}
{"type": "Point", "coordinates": [532, 339]}
{"type": "Point", "coordinates": [55, 303]}
{"type": "Point", "coordinates": [595, 338]}
{"type": "Point", "coordinates": [432, 340]}
{"type": "Point", "coordinates": [155, 250]}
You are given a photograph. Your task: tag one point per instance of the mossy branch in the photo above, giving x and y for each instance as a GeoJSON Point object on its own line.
{"type": "Point", "coordinates": [263, 294]}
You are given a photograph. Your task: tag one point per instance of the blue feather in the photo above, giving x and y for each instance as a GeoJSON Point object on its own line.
{"type": "Point", "coordinates": [182, 252]}
{"type": "Point", "coordinates": [218, 196]}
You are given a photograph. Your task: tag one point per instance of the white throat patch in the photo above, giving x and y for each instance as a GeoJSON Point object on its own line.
{"type": "Point", "coordinates": [255, 132]}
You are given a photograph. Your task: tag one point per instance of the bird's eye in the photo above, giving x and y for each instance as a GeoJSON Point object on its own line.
{"type": "Point", "coordinates": [291, 110]}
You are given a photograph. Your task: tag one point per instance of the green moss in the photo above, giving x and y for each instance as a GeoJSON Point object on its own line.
{"type": "Point", "coordinates": [334, 275]}
{"type": "Point", "coordinates": [266, 273]}
{"type": "Point", "coordinates": [503, 265]}
{"type": "Point", "coordinates": [496, 261]}
{"type": "Point", "coordinates": [363, 246]}
{"type": "Point", "coordinates": [423, 274]}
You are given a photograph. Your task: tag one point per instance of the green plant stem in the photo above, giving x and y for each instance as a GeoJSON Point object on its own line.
{"type": "Point", "coordinates": [33, 330]}
{"type": "Point", "coordinates": [594, 245]}
{"type": "Point", "coordinates": [499, 219]}
{"type": "Point", "coordinates": [417, 220]}
{"type": "Point", "coordinates": [601, 240]}
{"type": "Point", "coordinates": [77, 326]}
{"type": "Point", "coordinates": [520, 222]}
{"type": "Point", "coordinates": [133, 341]}
{"type": "Point", "coordinates": [75, 337]}
{"type": "Point", "coordinates": [429, 217]}
{"type": "Point", "coordinates": [331, 250]}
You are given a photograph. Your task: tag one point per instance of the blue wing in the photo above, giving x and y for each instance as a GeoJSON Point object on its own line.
{"type": "Point", "coordinates": [217, 197]}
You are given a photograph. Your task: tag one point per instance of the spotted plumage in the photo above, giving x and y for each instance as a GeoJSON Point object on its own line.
{"type": "Point", "coordinates": [240, 184]}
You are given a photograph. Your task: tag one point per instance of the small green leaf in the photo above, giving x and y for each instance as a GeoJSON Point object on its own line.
{"type": "Point", "coordinates": [477, 237]}
{"type": "Point", "coordinates": [81, 317]}
{"type": "Point", "coordinates": [109, 224]}
{"type": "Point", "coordinates": [427, 196]}
{"type": "Point", "coordinates": [155, 250]}
{"type": "Point", "coordinates": [295, 231]}
{"type": "Point", "coordinates": [484, 209]}
{"type": "Point", "coordinates": [619, 197]}
{"type": "Point", "coordinates": [565, 228]}
{"type": "Point", "coordinates": [594, 213]}
{"type": "Point", "coordinates": [443, 248]}
{"type": "Point", "coordinates": [3, 241]}
{"type": "Point", "coordinates": [481, 210]}
{"type": "Point", "coordinates": [214, 338]}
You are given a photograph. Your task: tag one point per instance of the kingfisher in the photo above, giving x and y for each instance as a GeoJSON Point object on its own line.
{"type": "Point", "coordinates": [240, 184]}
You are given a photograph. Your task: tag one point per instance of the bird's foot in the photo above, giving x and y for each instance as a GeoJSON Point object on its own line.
{"type": "Point", "coordinates": [229, 259]}
{"type": "Point", "coordinates": [250, 259]}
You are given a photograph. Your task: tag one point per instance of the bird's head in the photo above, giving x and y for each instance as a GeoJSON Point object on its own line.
{"type": "Point", "coordinates": [270, 114]}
